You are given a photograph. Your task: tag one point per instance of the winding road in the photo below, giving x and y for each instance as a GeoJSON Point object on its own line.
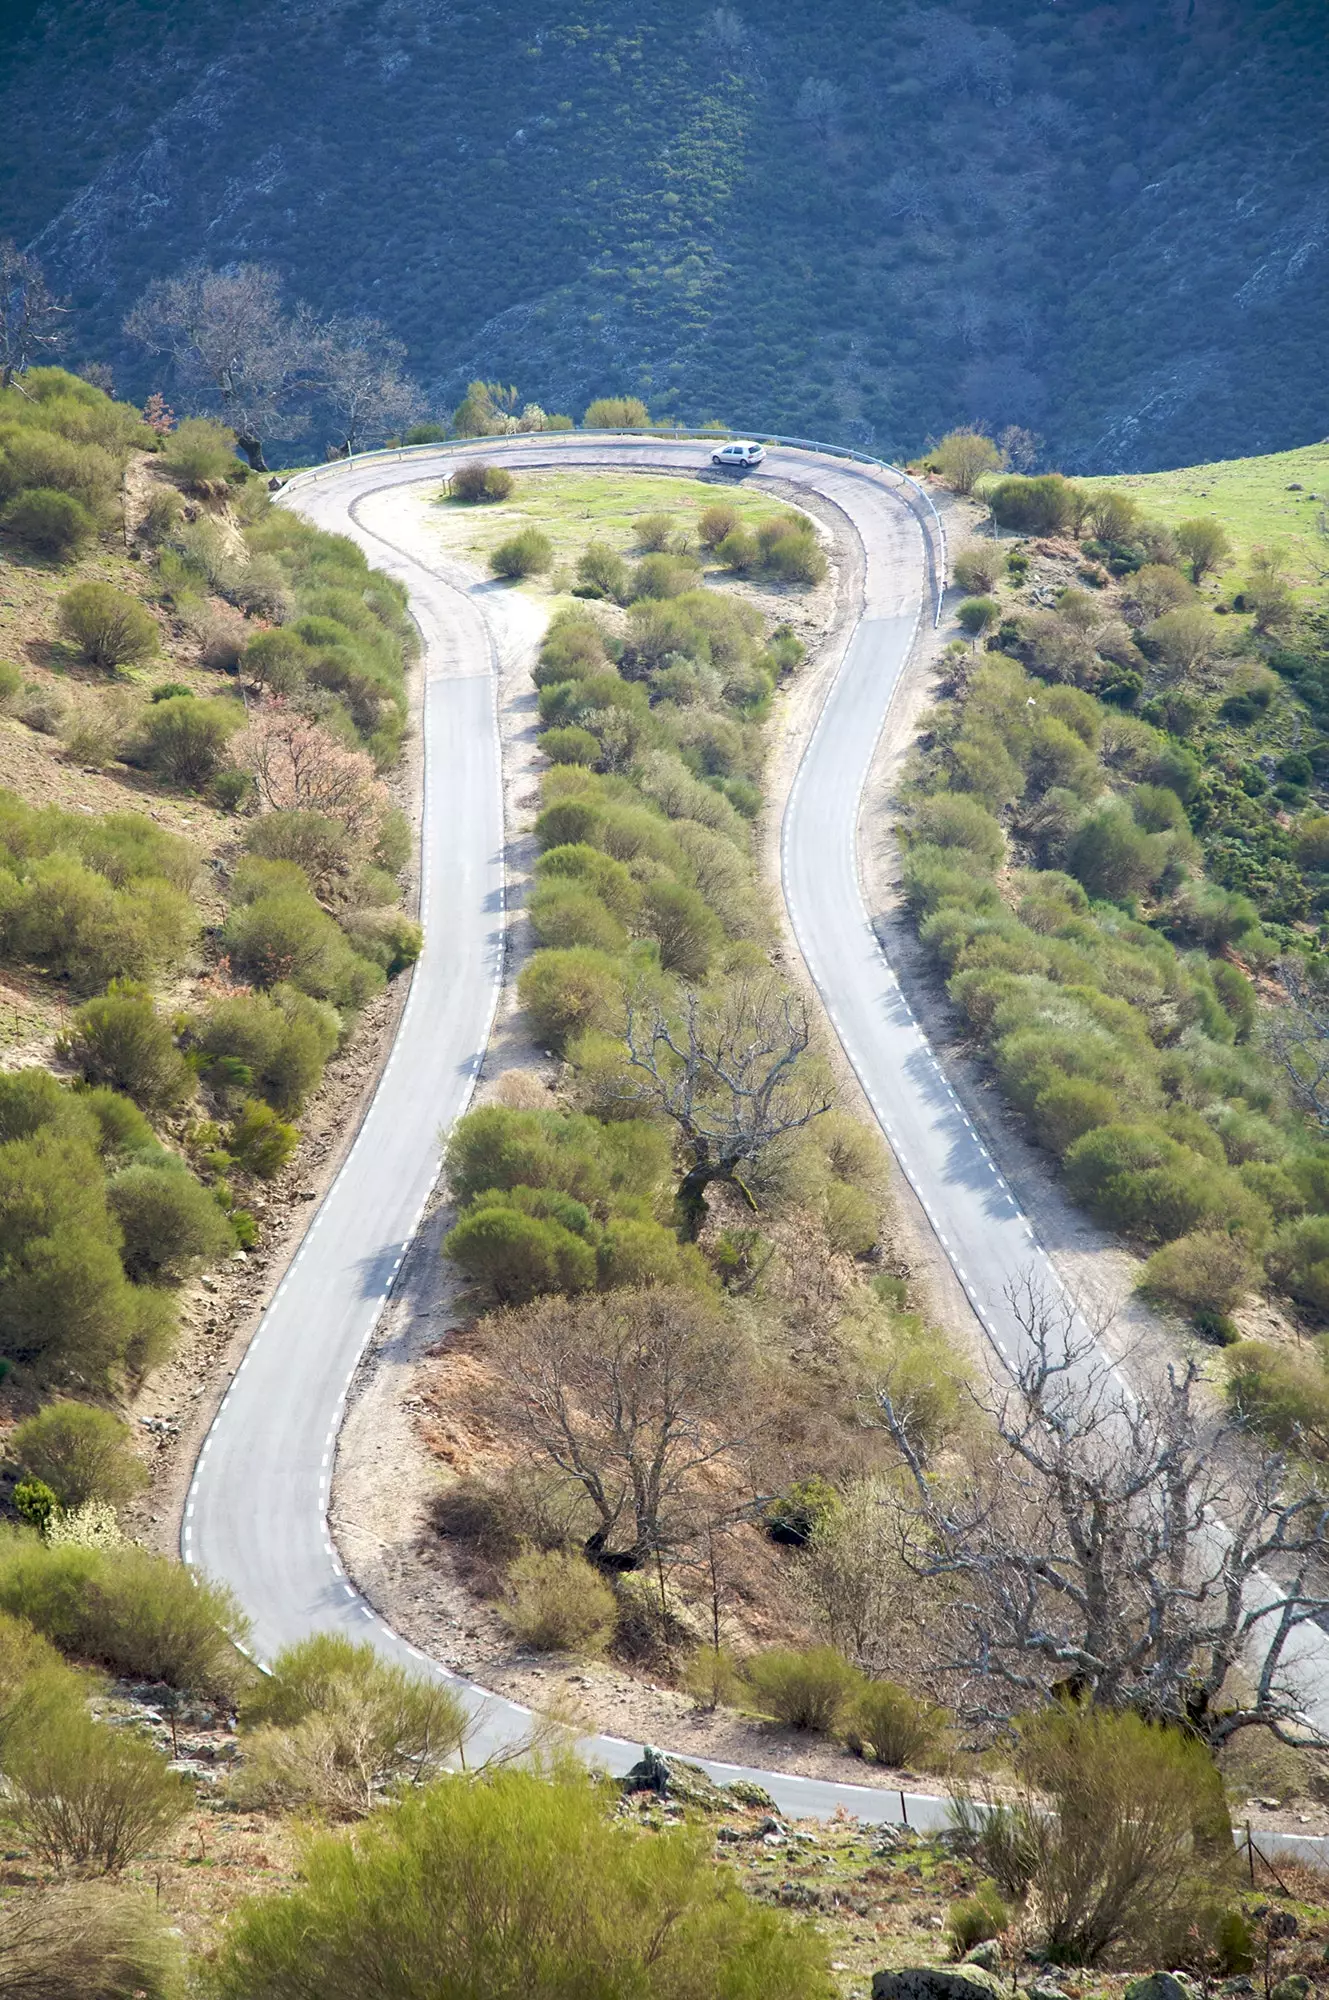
{"type": "Point", "coordinates": [256, 1514]}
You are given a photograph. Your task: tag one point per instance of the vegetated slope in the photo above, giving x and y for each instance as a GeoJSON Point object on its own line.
{"type": "Point", "coordinates": [1261, 502]}
{"type": "Point", "coordinates": [1114, 851]}
{"type": "Point", "coordinates": [1107, 224]}
{"type": "Point", "coordinates": [197, 892]}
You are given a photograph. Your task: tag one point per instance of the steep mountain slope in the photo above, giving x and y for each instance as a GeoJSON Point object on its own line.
{"type": "Point", "coordinates": [1108, 223]}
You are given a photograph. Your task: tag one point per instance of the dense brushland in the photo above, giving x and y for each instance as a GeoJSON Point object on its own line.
{"type": "Point", "coordinates": [1104, 224]}
{"type": "Point", "coordinates": [198, 891]}
{"type": "Point", "coordinates": [1114, 852]}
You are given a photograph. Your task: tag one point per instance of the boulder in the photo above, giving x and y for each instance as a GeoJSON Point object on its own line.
{"type": "Point", "coordinates": [673, 1778]}
{"type": "Point", "coordinates": [1295, 1987]}
{"type": "Point", "coordinates": [938, 1982]}
{"type": "Point", "coordinates": [1161, 1986]}
{"type": "Point", "coordinates": [741, 1791]}
{"type": "Point", "coordinates": [987, 1955]}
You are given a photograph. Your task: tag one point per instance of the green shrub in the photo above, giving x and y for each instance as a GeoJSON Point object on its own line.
{"type": "Point", "coordinates": [84, 1795]}
{"type": "Point", "coordinates": [975, 1919]}
{"type": "Point", "coordinates": [885, 1723]}
{"type": "Point", "coordinates": [556, 1603]}
{"type": "Point", "coordinates": [334, 1724]}
{"type": "Point", "coordinates": [663, 576]}
{"type": "Point", "coordinates": [434, 1885]}
{"type": "Point", "coordinates": [567, 823]}
{"type": "Point", "coordinates": [1281, 1391]}
{"type": "Point", "coordinates": [600, 873]}
{"type": "Point", "coordinates": [279, 1040]}
{"type": "Point", "coordinates": [852, 1217]}
{"type": "Point", "coordinates": [36, 1503]}
{"type": "Point", "coordinates": [956, 820]}
{"type": "Point", "coordinates": [797, 558]}
{"type": "Point", "coordinates": [477, 482]}
{"type": "Point", "coordinates": [55, 524]}
{"type": "Point", "coordinates": [566, 992]}
{"type": "Point", "coordinates": [129, 1611]}
{"type": "Point", "coordinates": [171, 1226]}
{"type": "Point", "coordinates": [200, 454]}
{"type": "Point", "coordinates": [602, 572]}
{"type": "Point", "coordinates": [1040, 506]}
{"type": "Point", "coordinates": [277, 661]}
{"type": "Point", "coordinates": [314, 842]}
{"type": "Point", "coordinates": [527, 553]}
{"type": "Point", "coordinates": [739, 551]}
{"type": "Point", "coordinates": [715, 523]}
{"type": "Point", "coordinates": [976, 614]}
{"type": "Point", "coordinates": [260, 1141]}
{"type": "Point", "coordinates": [387, 938]}
{"type": "Point", "coordinates": [1135, 1178]}
{"type": "Point", "coordinates": [977, 569]}
{"type": "Point", "coordinates": [184, 740]}
{"type": "Point", "coordinates": [1298, 1260]}
{"type": "Point", "coordinates": [633, 1252]}
{"type": "Point", "coordinates": [687, 930]}
{"type": "Point", "coordinates": [616, 413]}
{"type": "Point", "coordinates": [285, 936]}
{"type": "Point", "coordinates": [654, 532]}
{"type": "Point", "coordinates": [80, 1453]}
{"type": "Point", "coordinates": [109, 628]}
{"type": "Point", "coordinates": [520, 1256]}
{"type": "Point", "coordinates": [122, 1040]}
{"type": "Point", "coordinates": [1064, 1111]}
{"type": "Point", "coordinates": [68, 1305]}
{"type": "Point", "coordinates": [569, 746]}
{"type": "Point", "coordinates": [85, 1941]}
{"type": "Point", "coordinates": [802, 1690]}
{"type": "Point", "coordinates": [565, 914]}
{"type": "Point", "coordinates": [1135, 1834]}
{"type": "Point", "coordinates": [1205, 1272]}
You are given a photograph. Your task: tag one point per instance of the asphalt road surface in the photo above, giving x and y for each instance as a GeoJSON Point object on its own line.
{"type": "Point", "coordinates": [256, 1516]}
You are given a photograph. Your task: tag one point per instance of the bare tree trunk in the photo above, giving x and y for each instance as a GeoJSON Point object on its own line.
{"type": "Point", "coordinates": [252, 447]}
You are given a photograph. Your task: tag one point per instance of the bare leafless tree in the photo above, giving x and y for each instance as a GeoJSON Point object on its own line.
{"type": "Point", "coordinates": [735, 1074]}
{"type": "Point", "coordinates": [360, 380]}
{"type": "Point", "coordinates": [30, 314]}
{"type": "Point", "coordinates": [1105, 1551]}
{"type": "Point", "coordinates": [234, 345]}
{"type": "Point", "coordinates": [642, 1397]}
{"type": "Point", "coordinates": [1297, 1036]}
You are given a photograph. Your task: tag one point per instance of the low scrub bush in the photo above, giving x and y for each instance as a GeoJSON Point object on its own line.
{"type": "Point", "coordinates": [556, 1603]}
{"type": "Point", "coordinates": [85, 1795]}
{"type": "Point", "coordinates": [333, 1726]}
{"type": "Point", "coordinates": [653, 532]}
{"type": "Point", "coordinates": [569, 746]}
{"type": "Point", "coordinates": [566, 993]}
{"type": "Point", "coordinates": [602, 572]}
{"type": "Point", "coordinates": [109, 628]}
{"type": "Point", "coordinates": [122, 1040]}
{"type": "Point", "coordinates": [715, 524]}
{"type": "Point", "coordinates": [132, 1612]}
{"type": "Point", "coordinates": [285, 937]}
{"type": "Point", "coordinates": [53, 523]}
{"type": "Point", "coordinates": [527, 553]}
{"type": "Point", "coordinates": [260, 1141]}
{"type": "Point", "coordinates": [520, 1256]}
{"type": "Point", "coordinates": [886, 1724]}
{"type": "Point", "coordinates": [88, 1941]}
{"type": "Point", "coordinates": [1282, 1392]}
{"type": "Point", "coordinates": [975, 1919]}
{"type": "Point", "coordinates": [802, 1690]}
{"type": "Point", "coordinates": [171, 1227]}
{"type": "Point", "coordinates": [80, 1452]}
{"type": "Point", "coordinates": [1135, 1836]}
{"type": "Point", "coordinates": [274, 1044]}
{"type": "Point", "coordinates": [713, 1678]}
{"type": "Point", "coordinates": [200, 454]}
{"type": "Point", "coordinates": [1206, 1272]}
{"type": "Point", "coordinates": [185, 740]}
{"type": "Point", "coordinates": [434, 1885]}
{"type": "Point", "coordinates": [474, 481]}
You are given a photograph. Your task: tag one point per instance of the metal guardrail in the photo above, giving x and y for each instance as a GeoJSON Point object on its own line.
{"type": "Point", "coordinates": [395, 454]}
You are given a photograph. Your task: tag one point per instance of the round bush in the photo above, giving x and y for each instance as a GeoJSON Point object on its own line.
{"type": "Point", "coordinates": [171, 1225]}
{"type": "Point", "coordinates": [55, 524]}
{"type": "Point", "coordinates": [976, 614]}
{"type": "Point", "coordinates": [569, 746]}
{"type": "Point", "coordinates": [1203, 1272]}
{"type": "Point", "coordinates": [260, 1140]}
{"type": "Point", "coordinates": [715, 524]}
{"type": "Point", "coordinates": [527, 553]}
{"type": "Point", "coordinates": [653, 532]}
{"type": "Point", "coordinates": [120, 1039]}
{"type": "Point", "coordinates": [81, 1453]}
{"type": "Point", "coordinates": [200, 454]}
{"type": "Point", "coordinates": [797, 558]}
{"type": "Point", "coordinates": [184, 739]}
{"type": "Point", "coordinates": [474, 482]}
{"type": "Point", "coordinates": [110, 628]}
{"type": "Point", "coordinates": [556, 1603]}
{"type": "Point", "coordinates": [567, 913]}
{"type": "Point", "coordinates": [520, 1256]}
{"type": "Point", "coordinates": [803, 1690]}
{"type": "Point", "coordinates": [887, 1724]}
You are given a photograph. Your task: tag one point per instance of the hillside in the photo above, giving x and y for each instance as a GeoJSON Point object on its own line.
{"type": "Point", "coordinates": [1107, 224]}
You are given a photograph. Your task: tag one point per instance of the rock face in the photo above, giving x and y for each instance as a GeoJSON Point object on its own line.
{"type": "Point", "coordinates": [1160, 1986]}
{"type": "Point", "coordinates": [938, 1982]}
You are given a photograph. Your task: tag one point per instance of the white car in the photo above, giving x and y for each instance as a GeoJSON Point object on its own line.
{"type": "Point", "coordinates": [737, 457]}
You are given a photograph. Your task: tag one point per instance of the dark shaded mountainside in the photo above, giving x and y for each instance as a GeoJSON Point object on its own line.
{"type": "Point", "coordinates": [1108, 223]}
